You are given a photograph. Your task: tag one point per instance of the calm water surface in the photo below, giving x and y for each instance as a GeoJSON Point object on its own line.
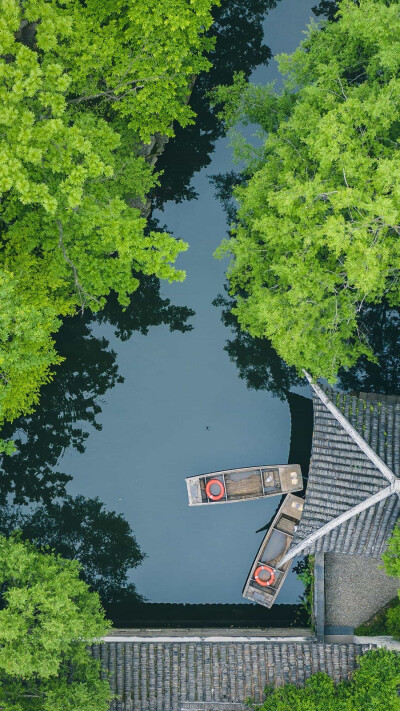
{"type": "Point", "coordinates": [177, 385]}
{"type": "Point", "coordinates": [182, 409]}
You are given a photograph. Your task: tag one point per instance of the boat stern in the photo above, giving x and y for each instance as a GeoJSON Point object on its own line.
{"type": "Point", "coordinates": [194, 491]}
{"type": "Point", "coordinates": [291, 478]}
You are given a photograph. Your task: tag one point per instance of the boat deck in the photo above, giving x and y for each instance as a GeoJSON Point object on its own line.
{"type": "Point", "coordinates": [266, 575]}
{"type": "Point", "coordinates": [243, 484]}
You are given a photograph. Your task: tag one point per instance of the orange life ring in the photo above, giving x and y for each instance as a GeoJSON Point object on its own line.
{"type": "Point", "coordinates": [215, 482]}
{"type": "Point", "coordinates": [264, 583]}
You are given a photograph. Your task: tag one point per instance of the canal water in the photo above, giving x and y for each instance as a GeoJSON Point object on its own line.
{"type": "Point", "coordinates": [182, 408]}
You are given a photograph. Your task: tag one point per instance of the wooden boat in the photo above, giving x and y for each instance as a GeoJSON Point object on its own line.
{"type": "Point", "coordinates": [243, 484]}
{"type": "Point", "coordinates": [266, 575]}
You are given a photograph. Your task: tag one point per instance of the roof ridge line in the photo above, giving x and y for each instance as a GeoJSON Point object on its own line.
{"type": "Point", "coordinates": [351, 431]}
{"type": "Point", "coordinates": [338, 520]}
{"type": "Point", "coordinates": [383, 493]}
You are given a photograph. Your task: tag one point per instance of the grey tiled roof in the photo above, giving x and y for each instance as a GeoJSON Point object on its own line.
{"type": "Point", "coordinates": [163, 676]}
{"type": "Point", "coordinates": [341, 475]}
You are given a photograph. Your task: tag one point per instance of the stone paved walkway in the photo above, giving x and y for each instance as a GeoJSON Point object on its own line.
{"type": "Point", "coordinates": [355, 589]}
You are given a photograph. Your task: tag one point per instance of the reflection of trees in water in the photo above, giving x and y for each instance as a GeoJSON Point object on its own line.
{"type": "Point", "coordinates": [381, 326]}
{"type": "Point", "coordinates": [326, 9]}
{"type": "Point", "coordinates": [68, 408]}
{"type": "Point", "coordinates": [72, 401]}
{"type": "Point", "coordinates": [238, 29]}
{"type": "Point", "coordinates": [224, 184]}
{"type": "Point", "coordinates": [81, 528]}
{"type": "Point", "coordinates": [147, 309]}
{"type": "Point", "coordinates": [256, 360]}
{"type": "Point", "coordinates": [262, 369]}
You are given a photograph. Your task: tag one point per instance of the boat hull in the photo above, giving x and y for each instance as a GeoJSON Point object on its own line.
{"type": "Point", "coordinates": [265, 587]}
{"type": "Point", "coordinates": [243, 484]}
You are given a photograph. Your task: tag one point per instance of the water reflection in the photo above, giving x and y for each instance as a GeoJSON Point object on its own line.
{"type": "Point", "coordinates": [79, 527]}
{"type": "Point", "coordinates": [255, 358]}
{"type": "Point", "coordinates": [147, 309]}
{"type": "Point", "coordinates": [326, 9]}
{"type": "Point", "coordinates": [380, 324]}
{"type": "Point", "coordinates": [239, 33]}
{"type": "Point", "coordinates": [70, 404]}
{"type": "Point", "coordinates": [83, 529]}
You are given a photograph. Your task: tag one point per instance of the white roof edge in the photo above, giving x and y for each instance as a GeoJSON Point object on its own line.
{"type": "Point", "coordinates": [351, 431]}
{"type": "Point", "coordinates": [215, 638]}
{"type": "Point", "coordinates": [335, 522]}
{"type": "Point", "coordinates": [372, 456]}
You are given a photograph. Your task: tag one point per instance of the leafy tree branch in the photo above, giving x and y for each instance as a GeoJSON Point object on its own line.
{"type": "Point", "coordinates": [315, 237]}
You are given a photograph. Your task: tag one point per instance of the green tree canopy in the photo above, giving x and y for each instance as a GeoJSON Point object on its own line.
{"type": "Point", "coordinates": [45, 610]}
{"type": "Point", "coordinates": [373, 687]}
{"type": "Point", "coordinates": [317, 232]}
{"type": "Point", "coordinates": [82, 86]}
{"type": "Point", "coordinates": [82, 529]}
{"type": "Point", "coordinates": [77, 687]}
{"type": "Point", "coordinates": [391, 561]}
{"type": "Point", "coordinates": [48, 616]}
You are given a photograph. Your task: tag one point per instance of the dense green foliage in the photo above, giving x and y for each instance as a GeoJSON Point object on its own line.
{"type": "Point", "coordinates": [82, 86]}
{"type": "Point", "coordinates": [46, 608]}
{"type": "Point", "coordinates": [47, 617]}
{"type": "Point", "coordinates": [304, 570]}
{"type": "Point", "coordinates": [77, 687]}
{"type": "Point", "coordinates": [82, 529]}
{"type": "Point", "coordinates": [317, 229]}
{"type": "Point", "coordinates": [391, 561]}
{"type": "Point", "coordinates": [377, 624]}
{"type": "Point", "coordinates": [373, 686]}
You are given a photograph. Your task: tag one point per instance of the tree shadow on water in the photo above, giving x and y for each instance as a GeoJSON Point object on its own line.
{"type": "Point", "coordinates": [33, 492]}
{"type": "Point", "coordinates": [380, 324]}
{"type": "Point", "coordinates": [326, 9]}
{"type": "Point", "coordinates": [257, 361]}
{"type": "Point", "coordinates": [71, 403]}
{"type": "Point", "coordinates": [82, 529]}
{"type": "Point", "coordinates": [147, 309]}
{"type": "Point", "coordinates": [238, 29]}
